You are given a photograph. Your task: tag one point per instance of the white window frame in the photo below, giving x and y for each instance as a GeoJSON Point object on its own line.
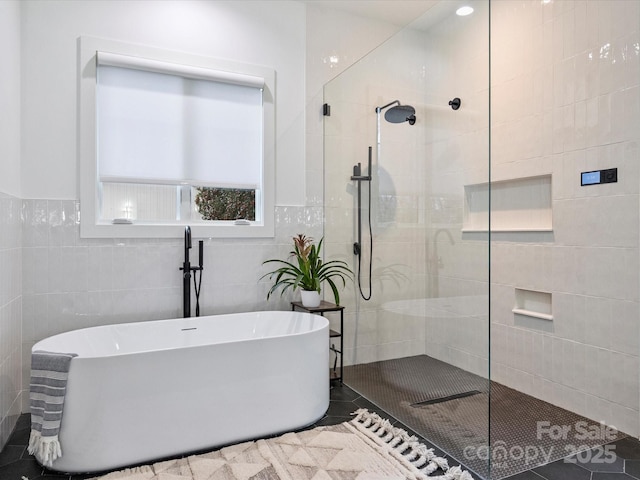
{"type": "Point", "coordinates": [90, 224]}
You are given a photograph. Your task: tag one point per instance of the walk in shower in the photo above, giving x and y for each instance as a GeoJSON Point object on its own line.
{"type": "Point", "coordinates": [417, 333]}
{"type": "Point", "coordinates": [452, 329]}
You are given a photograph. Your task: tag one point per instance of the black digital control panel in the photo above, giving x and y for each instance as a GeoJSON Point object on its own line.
{"type": "Point", "coordinates": [597, 177]}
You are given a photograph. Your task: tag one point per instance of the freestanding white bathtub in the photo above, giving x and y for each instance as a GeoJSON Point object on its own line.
{"type": "Point", "coordinates": [143, 391]}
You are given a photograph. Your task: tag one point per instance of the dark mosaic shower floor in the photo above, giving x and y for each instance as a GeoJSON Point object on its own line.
{"type": "Point", "coordinates": [450, 407]}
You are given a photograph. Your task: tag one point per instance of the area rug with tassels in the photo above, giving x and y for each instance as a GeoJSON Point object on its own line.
{"type": "Point", "coordinates": [365, 448]}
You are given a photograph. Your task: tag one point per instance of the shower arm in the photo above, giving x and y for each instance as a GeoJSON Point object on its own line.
{"type": "Point", "coordinates": [379, 109]}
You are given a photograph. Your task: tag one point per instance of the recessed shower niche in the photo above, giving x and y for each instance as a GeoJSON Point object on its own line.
{"type": "Point", "coordinates": [517, 205]}
{"type": "Point", "coordinates": [534, 304]}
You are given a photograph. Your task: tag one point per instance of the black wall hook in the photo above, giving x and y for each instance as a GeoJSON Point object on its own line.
{"type": "Point", "coordinates": [455, 103]}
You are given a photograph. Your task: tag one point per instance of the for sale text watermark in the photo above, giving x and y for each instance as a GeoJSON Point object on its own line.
{"type": "Point", "coordinates": [579, 431]}
{"type": "Point", "coordinates": [582, 442]}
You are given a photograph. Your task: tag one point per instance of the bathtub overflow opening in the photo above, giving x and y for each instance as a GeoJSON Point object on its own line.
{"type": "Point", "coordinates": [192, 328]}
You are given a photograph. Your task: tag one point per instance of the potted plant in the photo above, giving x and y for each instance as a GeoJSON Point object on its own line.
{"type": "Point", "coordinates": [307, 271]}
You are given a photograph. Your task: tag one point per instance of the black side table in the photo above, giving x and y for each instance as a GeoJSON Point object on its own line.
{"type": "Point", "coordinates": [335, 374]}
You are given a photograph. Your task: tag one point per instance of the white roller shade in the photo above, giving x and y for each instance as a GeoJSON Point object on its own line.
{"type": "Point", "coordinates": [176, 127]}
{"type": "Point", "coordinates": [185, 71]}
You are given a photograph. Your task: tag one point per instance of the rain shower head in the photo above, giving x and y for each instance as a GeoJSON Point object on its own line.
{"type": "Point", "coordinates": [399, 113]}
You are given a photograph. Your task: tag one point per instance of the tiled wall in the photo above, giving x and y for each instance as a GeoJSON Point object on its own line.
{"type": "Point", "coordinates": [10, 223]}
{"type": "Point", "coordinates": [10, 313]}
{"type": "Point", "coordinates": [72, 283]}
{"type": "Point", "coordinates": [566, 99]}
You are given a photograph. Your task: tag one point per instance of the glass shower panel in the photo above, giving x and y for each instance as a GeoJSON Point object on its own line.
{"type": "Point", "coordinates": [416, 322]}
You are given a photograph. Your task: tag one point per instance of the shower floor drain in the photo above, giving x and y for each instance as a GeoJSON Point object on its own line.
{"type": "Point", "coordinates": [445, 399]}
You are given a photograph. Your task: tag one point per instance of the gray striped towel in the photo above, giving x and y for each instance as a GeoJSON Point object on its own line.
{"type": "Point", "coordinates": [49, 373]}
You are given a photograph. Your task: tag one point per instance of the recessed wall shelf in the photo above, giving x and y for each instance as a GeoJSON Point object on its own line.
{"type": "Point", "coordinates": [530, 313]}
{"type": "Point", "coordinates": [517, 205]}
{"type": "Point", "coordinates": [532, 303]}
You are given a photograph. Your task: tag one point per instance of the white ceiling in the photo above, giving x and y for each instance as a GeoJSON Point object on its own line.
{"type": "Point", "coordinates": [397, 12]}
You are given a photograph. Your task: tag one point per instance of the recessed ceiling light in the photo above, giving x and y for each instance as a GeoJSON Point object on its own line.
{"type": "Point", "coordinates": [463, 11]}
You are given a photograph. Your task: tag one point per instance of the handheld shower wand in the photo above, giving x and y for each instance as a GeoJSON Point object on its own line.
{"type": "Point", "coordinates": [197, 269]}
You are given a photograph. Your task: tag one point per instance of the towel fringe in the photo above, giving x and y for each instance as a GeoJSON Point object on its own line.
{"type": "Point", "coordinates": [46, 449]}
{"type": "Point", "coordinates": [429, 468]}
{"type": "Point", "coordinates": [456, 473]}
{"type": "Point", "coordinates": [407, 446]}
{"type": "Point", "coordinates": [395, 440]}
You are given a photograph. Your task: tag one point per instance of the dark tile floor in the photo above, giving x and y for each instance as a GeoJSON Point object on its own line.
{"type": "Point", "coordinates": [17, 464]}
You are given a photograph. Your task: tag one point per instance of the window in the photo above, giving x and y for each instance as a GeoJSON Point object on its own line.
{"type": "Point", "coordinates": [169, 139]}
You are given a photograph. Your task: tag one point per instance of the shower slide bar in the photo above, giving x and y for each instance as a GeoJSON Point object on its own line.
{"type": "Point", "coordinates": [358, 177]}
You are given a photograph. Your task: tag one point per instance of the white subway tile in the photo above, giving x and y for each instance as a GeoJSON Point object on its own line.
{"type": "Point", "coordinates": [624, 380]}
{"type": "Point", "coordinates": [625, 328]}
{"type": "Point", "coordinates": [624, 419]}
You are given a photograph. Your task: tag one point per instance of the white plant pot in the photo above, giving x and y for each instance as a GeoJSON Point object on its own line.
{"type": "Point", "coordinates": [310, 298]}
